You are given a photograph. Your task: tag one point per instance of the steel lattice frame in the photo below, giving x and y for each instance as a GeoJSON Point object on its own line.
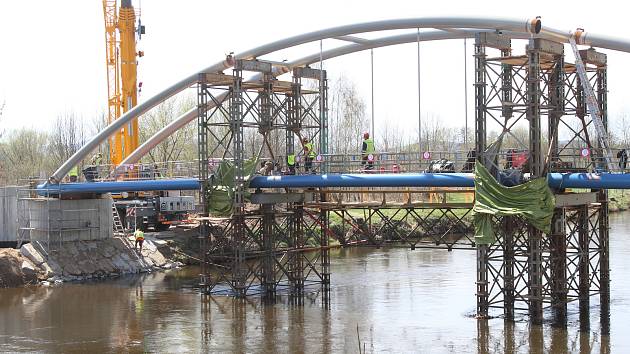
{"type": "Point", "coordinates": [413, 226]}
{"type": "Point", "coordinates": [525, 270]}
{"type": "Point", "coordinates": [383, 216]}
{"type": "Point", "coordinates": [271, 247]}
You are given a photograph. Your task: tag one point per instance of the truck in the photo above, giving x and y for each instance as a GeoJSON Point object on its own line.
{"type": "Point", "coordinates": [154, 211]}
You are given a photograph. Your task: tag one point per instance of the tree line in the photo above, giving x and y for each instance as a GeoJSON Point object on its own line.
{"type": "Point", "coordinates": [31, 153]}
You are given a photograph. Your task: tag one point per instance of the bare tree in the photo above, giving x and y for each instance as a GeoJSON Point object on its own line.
{"type": "Point", "coordinates": [1, 111]}
{"type": "Point", "coordinates": [2, 162]}
{"type": "Point", "coordinates": [436, 136]}
{"type": "Point", "coordinates": [67, 136]}
{"type": "Point", "coordinates": [517, 138]}
{"type": "Point", "coordinates": [622, 131]}
{"type": "Point", "coordinates": [392, 138]}
{"type": "Point", "coordinates": [347, 117]}
{"type": "Point", "coordinates": [179, 145]}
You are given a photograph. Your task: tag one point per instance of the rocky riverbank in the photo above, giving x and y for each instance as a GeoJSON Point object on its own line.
{"type": "Point", "coordinates": [72, 261]}
{"type": "Point", "coordinates": [15, 269]}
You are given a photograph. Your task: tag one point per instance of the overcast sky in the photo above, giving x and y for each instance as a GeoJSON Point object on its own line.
{"type": "Point", "coordinates": [53, 52]}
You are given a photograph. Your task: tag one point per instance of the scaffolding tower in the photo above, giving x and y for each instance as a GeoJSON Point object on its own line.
{"type": "Point", "coordinates": [525, 270]}
{"type": "Point", "coordinates": [265, 245]}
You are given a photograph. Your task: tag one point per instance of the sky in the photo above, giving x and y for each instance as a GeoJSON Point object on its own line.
{"type": "Point", "coordinates": [52, 60]}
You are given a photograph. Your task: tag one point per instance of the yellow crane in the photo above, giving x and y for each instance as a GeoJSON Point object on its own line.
{"type": "Point", "coordinates": [122, 64]}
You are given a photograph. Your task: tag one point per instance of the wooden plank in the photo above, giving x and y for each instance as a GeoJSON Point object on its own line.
{"type": "Point", "coordinates": [574, 199]}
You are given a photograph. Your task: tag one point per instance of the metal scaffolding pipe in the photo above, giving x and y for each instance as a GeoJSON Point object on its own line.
{"type": "Point", "coordinates": [555, 180]}
{"type": "Point", "coordinates": [366, 180]}
{"type": "Point", "coordinates": [118, 186]}
{"type": "Point", "coordinates": [589, 180]}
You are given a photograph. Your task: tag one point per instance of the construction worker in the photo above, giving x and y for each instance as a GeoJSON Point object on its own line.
{"type": "Point", "coordinates": [622, 155]}
{"type": "Point", "coordinates": [309, 155]}
{"type": "Point", "coordinates": [74, 174]}
{"type": "Point", "coordinates": [266, 168]}
{"type": "Point", "coordinates": [367, 149]}
{"type": "Point", "coordinates": [291, 164]}
{"type": "Point", "coordinates": [97, 159]}
{"type": "Point", "coordinates": [139, 235]}
{"type": "Point", "coordinates": [91, 172]}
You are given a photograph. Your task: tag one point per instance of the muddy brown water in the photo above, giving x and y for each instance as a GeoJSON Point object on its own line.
{"type": "Point", "coordinates": [400, 300]}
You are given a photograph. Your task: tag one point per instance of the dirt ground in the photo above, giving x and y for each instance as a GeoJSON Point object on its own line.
{"type": "Point", "coordinates": [11, 269]}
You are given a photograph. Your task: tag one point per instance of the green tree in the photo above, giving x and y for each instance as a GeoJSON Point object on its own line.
{"type": "Point", "coordinates": [23, 154]}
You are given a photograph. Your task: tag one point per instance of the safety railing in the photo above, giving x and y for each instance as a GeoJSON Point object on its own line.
{"type": "Point", "coordinates": [569, 160]}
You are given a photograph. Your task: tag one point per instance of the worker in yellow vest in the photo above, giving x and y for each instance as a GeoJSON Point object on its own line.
{"type": "Point", "coordinates": [309, 155]}
{"type": "Point", "coordinates": [367, 149]}
{"type": "Point", "coordinates": [74, 174]}
{"type": "Point", "coordinates": [97, 159]}
{"type": "Point", "coordinates": [139, 235]}
{"type": "Point", "coordinates": [291, 164]}
{"type": "Point", "coordinates": [91, 172]}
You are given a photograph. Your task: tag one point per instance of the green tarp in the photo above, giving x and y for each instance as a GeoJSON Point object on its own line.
{"type": "Point", "coordinates": [221, 193]}
{"type": "Point", "coordinates": [532, 200]}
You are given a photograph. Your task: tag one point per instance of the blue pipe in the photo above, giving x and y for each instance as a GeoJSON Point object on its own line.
{"type": "Point", "coordinates": [119, 186]}
{"type": "Point", "coordinates": [366, 180]}
{"type": "Point", "coordinates": [314, 181]}
{"type": "Point", "coordinates": [555, 180]}
{"type": "Point", "coordinates": [589, 180]}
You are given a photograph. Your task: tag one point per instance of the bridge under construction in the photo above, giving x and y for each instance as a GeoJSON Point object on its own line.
{"type": "Point", "coordinates": [276, 234]}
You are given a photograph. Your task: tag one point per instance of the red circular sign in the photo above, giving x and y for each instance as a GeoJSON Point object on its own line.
{"type": "Point", "coordinates": [426, 155]}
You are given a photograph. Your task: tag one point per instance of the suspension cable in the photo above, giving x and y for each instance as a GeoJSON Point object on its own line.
{"type": "Point", "coordinates": [372, 75]}
{"type": "Point", "coordinates": [419, 106]}
{"type": "Point", "coordinates": [465, 96]}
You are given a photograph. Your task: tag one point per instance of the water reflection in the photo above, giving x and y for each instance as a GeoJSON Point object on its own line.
{"type": "Point", "coordinates": [393, 300]}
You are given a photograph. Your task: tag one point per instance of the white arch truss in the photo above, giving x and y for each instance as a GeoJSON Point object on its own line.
{"type": "Point", "coordinates": [447, 28]}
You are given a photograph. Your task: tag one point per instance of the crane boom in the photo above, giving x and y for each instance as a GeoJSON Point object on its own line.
{"type": "Point", "coordinates": [121, 56]}
{"type": "Point", "coordinates": [113, 80]}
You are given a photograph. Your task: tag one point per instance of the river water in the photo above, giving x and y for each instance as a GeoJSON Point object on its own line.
{"type": "Point", "coordinates": [389, 300]}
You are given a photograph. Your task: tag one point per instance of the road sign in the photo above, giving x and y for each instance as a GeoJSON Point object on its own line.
{"type": "Point", "coordinates": [586, 152]}
{"type": "Point", "coordinates": [426, 155]}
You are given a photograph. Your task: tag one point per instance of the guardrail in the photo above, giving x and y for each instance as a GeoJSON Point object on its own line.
{"type": "Point", "coordinates": [569, 160]}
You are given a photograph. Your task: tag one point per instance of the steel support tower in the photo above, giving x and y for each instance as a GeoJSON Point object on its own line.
{"type": "Point", "coordinates": [526, 270]}
{"type": "Point", "coordinates": [263, 245]}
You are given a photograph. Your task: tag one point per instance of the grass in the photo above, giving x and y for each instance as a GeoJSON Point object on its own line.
{"type": "Point", "coordinates": [397, 214]}
{"type": "Point", "coordinates": [619, 200]}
